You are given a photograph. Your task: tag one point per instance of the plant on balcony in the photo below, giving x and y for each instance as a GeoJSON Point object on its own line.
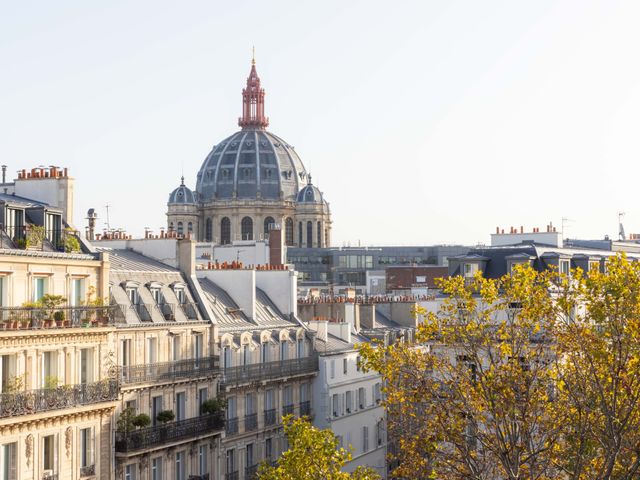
{"type": "Point", "coordinates": [96, 315]}
{"type": "Point", "coordinates": [58, 316]}
{"type": "Point", "coordinates": [212, 406]}
{"type": "Point", "coordinates": [71, 244]}
{"type": "Point", "coordinates": [35, 236]}
{"type": "Point", "coordinates": [21, 243]}
{"type": "Point", "coordinates": [125, 420]}
{"type": "Point", "coordinates": [14, 384]}
{"type": "Point", "coordinates": [166, 416]}
{"type": "Point", "coordinates": [51, 382]}
{"type": "Point", "coordinates": [141, 420]}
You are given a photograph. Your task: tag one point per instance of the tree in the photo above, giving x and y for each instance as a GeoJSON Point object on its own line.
{"type": "Point", "coordinates": [313, 455]}
{"type": "Point", "coordinates": [531, 376]}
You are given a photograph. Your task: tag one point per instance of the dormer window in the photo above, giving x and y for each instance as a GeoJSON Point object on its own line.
{"type": "Point", "coordinates": [565, 267]}
{"type": "Point", "coordinates": [594, 266]}
{"type": "Point", "coordinates": [470, 269]}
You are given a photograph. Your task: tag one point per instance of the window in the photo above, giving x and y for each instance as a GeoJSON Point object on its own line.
{"type": "Point", "coordinates": [470, 269]}
{"type": "Point", "coordinates": [77, 292]}
{"type": "Point", "coordinates": [377, 394]}
{"type": "Point", "coordinates": [309, 234]}
{"type": "Point", "coordinates": [269, 399]}
{"type": "Point", "coordinates": [268, 222]}
{"type": "Point", "coordinates": [225, 231]}
{"type": "Point", "coordinates": [265, 352]}
{"type": "Point", "coordinates": [246, 227]}
{"type": "Point", "coordinates": [156, 408]}
{"type": "Point", "coordinates": [362, 398]}
{"type": "Point", "coordinates": [246, 355]}
{"type": "Point", "coordinates": [181, 405]}
{"type": "Point", "coordinates": [197, 345]}
{"type": "Point", "coordinates": [190, 228]}
{"type": "Point", "coordinates": [288, 231]}
{"type": "Point", "coordinates": [344, 366]}
{"type": "Point", "coordinates": [249, 455]}
{"type": "Point", "coordinates": [268, 448]}
{"type": "Point", "coordinates": [249, 404]}
{"type": "Point", "coordinates": [152, 350]}
{"type": "Point", "coordinates": [358, 363]}
{"type": "Point", "coordinates": [332, 368]}
{"type": "Point", "coordinates": [49, 454]}
{"type": "Point", "coordinates": [319, 234]}
{"type": "Point", "coordinates": [336, 404]}
{"type": "Point", "coordinates": [226, 357]}
{"type": "Point", "coordinates": [86, 447]}
{"type": "Point", "coordinates": [9, 461]}
{"type": "Point", "coordinates": [203, 395]}
{"type": "Point", "coordinates": [203, 464]}
{"type": "Point", "coordinates": [300, 347]}
{"type": "Point", "coordinates": [565, 267]}
{"type": "Point", "coordinates": [380, 432]}
{"type": "Point", "coordinates": [288, 395]}
{"type": "Point", "coordinates": [132, 293]}
{"type": "Point", "coordinates": [180, 228]}
{"type": "Point", "coordinates": [130, 471]}
{"type": "Point", "coordinates": [125, 352]}
{"type": "Point", "coordinates": [284, 350]}
{"type": "Point", "coordinates": [177, 348]}
{"type": "Point", "coordinates": [231, 461]}
{"type": "Point", "coordinates": [208, 230]}
{"type": "Point", "coordinates": [86, 365]}
{"type": "Point", "coordinates": [300, 234]}
{"type": "Point", "coordinates": [349, 401]}
{"type": "Point", "coordinates": [181, 467]}
{"type": "Point", "coordinates": [156, 468]}
{"type": "Point", "coordinates": [365, 439]}
{"type": "Point", "coordinates": [231, 408]}
{"type": "Point", "coordinates": [50, 370]}
{"type": "Point", "coordinates": [7, 372]}
{"type": "Point", "coordinates": [39, 288]}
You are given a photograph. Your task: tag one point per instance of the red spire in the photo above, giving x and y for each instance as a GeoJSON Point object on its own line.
{"type": "Point", "coordinates": [253, 102]}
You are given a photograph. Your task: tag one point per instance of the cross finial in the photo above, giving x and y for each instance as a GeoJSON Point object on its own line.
{"type": "Point", "coordinates": [182, 180]}
{"type": "Point", "coordinates": [253, 55]}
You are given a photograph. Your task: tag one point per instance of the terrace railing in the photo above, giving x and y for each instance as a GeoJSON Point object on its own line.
{"type": "Point", "coordinates": [269, 370]}
{"type": "Point", "coordinates": [30, 318]}
{"type": "Point", "coordinates": [170, 371]}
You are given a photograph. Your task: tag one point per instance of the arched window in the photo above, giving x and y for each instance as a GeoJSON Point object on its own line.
{"type": "Point", "coordinates": [309, 234]}
{"type": "Point", "coordinates": [225, 231]}
{"type": "Point", "coordinates": [171, 227]}
{"type": "Point", "coordinates": [208, 230]}
{"type": "Point", "coordinates": [180, 228]}
{"type": "Point", "coordinates": [267, 224]}
{"type": "Point", "coordinates": [300, 242]}
{"type": "Point", "coordinates": [288, 231]}
{"type": "Point", "coordinates": [326, 237]}
{"type": "Point", "coordinates": [190, 227]}
{"type": "Point", "coordinates": [246, 227]}
{"type": "Point", "coordinates": [319, 234]}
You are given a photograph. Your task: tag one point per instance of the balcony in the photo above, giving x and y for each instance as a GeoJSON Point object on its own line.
{"type": "Point", "coordinates": [270, 417]}
{"type": "Point", "coordinates": [170, 371]}
{"type": "Point", "coordinates": [66, 396]}
{"type": "Point", "coordinates": [232, 425]}
{"type": "Point", "coordinates": [171, 432]}
{"type": "Point", "coordinates": [38, 318]}
{"type": "Point", "coordinates": [269, 370]}
{"type": "Point", "coordinates": [305, 408]}
{"type": "Point", "coordinates": [190, 310]}
{"type": "Point", "coordinates": [287, 410]}
{"type": "Point", "coordinates": [250, 422]}
{"type": "Point", "coordinates": [37, 238]}
{"type": "Point", "coordinates": [143, 310]}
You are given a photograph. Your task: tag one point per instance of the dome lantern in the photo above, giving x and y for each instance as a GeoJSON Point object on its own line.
{"type": "Point", "coordinates": [253, 103]}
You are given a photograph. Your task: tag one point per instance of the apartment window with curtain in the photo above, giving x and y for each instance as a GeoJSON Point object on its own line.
{"type": "Point", "coordinates": [300, 347]}
{"type": "Point", "coordinates": [284, 350]}
{"type": "Point", "coordinates": [77, 292]}
{"type": "Point", "coordinates": [177, 348]}
{"type": "Point", "coordinates": [181, 405]}
{"type": "Point", "coordinates": [9, 461]}
{"type": "Point", "coordinates": [181, 467]}
{"type": "Point", "coordinates": [39, 288]}
{"type": "Point", "coordinates": [48, 454]}
{"type": "Point", "coordinates": [203, 466]}
{"type": "Point", "coordinates": [131, 472]}
{"type": "Point", "coordinates": [152, 350]}
{"type": "Point", "coordinates": [50, 369]}
{"type": "Point", "coordinates": [203, 396]}
{"type": "Point", "coordinates": [87, 447]}
{"type": "Point", "coordinates": [8, 365]}
{"type": "Point", "coordinates": [156, 468]}
{"type": "Point", "coordinates": [86, 365]}
{"type": "Point", "coordinates": [198, 345]}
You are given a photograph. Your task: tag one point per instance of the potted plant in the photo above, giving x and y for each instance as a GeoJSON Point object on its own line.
{"type": "Point", "coordinates": [51, 382]}
{"type": "Point", "coordinates": [14, 384]}
{"type": "Point", "coordinates": [58, 316]}
{"type": "Point", "coordinates": [141, 420]}
{"type": "Point", "coordinates": [35, 236]}
{"type": "Point", "coordinates": [70, 244]}
{"type": "Point", "coordinates": [165, 417]}
{"type": "Point", "coordinates": [212, 406]}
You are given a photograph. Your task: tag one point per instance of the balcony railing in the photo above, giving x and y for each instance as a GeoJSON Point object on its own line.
{"type": "Point", "coordinates": [250, 422]}
{"type": "Point", "coordinates": [87, 471]}
{"type": "Point", "coordinates": [66, 396]}
{"type": "Point", "coordinates": [169, 371]}
{"type": "Point", "coordinates": [251, 472]}
{"type": "Point", "coordinates": [190, 310]}
{"type": "Point", "coordinates": [168, 311]}
{"type": "Point", "coordinates": [270, 417]}
{"type": "Point", "coordinates": [33, 318]}
{"type": "Point", "coordinates": [287, 410]}
{"type": "Point", "coordinates": [305, 408]}
{"type": "Point", "coordinates": [34, 237]}
{"type": "Point", "coordinates": [232, 425]}
{"type": "Point", "coordinates": [269, 370]}
{"type": "Point", "coordinates": [170, 432]}
{"type": "Point", "coordinates": [143, 310]}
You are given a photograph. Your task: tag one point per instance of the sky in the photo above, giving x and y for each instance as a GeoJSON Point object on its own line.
{"type": "Point", "coordinates": [423, 122]}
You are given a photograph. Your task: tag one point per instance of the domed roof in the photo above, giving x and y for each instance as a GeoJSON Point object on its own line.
{"type": "Point", "coordinates": [310, 193]}
{"type": "Point", "coordinates": [182, 195]}
{"type": "Point", "coordinates": [250, 164]}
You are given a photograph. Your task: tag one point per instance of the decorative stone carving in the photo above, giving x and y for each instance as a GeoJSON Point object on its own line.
{"type": "Point", "coordinates": [68, 440]}
{"type": "Point", "coordinates": [28, 448]}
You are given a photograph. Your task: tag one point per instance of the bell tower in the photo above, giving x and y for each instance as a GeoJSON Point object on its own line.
{"type": "Point", "coordinates": [253, 102]}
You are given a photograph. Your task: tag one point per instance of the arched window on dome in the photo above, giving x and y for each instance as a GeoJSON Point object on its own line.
{"type": "Point", "coordinates": [246, 227]}
{"type": "Point", "coordinates": [180, 228]}
{"type": "Point", "coordinates": [319, 234]}
{"type": "Point", "coordinates": [208, 230]}
{"type": "Point", "coordinates": [171, 227]}
{"type": "Point", "coordinates": [300, 239]}
{"type": "Point", "coordinates": [309, 234]}
{"type": "Point", "coordinates": [225, 231]}
{"type": "Point", "coordinates": [326, 237]}
{"type": "Point", "coordinates": [190, 228]}
{"type": "Point", "coordinates": [288, 231]}
{"type": "Point", "coordinates": [267, 225]}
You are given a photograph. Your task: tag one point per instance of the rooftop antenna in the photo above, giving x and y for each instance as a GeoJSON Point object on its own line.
{"type": "Point", "coordinates": [621, 234]}
{"type": "Point", "coordinates": [108, 226]}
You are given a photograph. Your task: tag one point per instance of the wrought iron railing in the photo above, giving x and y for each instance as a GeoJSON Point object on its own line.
{"type": "Point", "coordinates": [287, 410]}
{"type": "Point", "coordinates": [305, 408]}
{"type": "Point", "coordinates": [34, 237]}
{"type": "Point", "coordinates": [269, 370]}
{"type": "Point", "coordinates": [66, 396]}
{"type": "Point", "coordinates": [190, 310]}
{"type": "Point", "coordinates": [87, 471]}
{"type": "Point", "coordinates": [143, 310]}
{"type": "Point", "coordinates": [250, 422]}
{"type": "Point", "coordinates": [251, 472]}
{"type": "Point", "coordinates": [270, 417]}
{"type": "Point", "coordinates": [28, 318]}
{"type": "Point", "coordinates": [232, 425]}
{"type": "Point", "coordinates": [169, 432]}
{"type": "Point", "coordinates": [169, 371]}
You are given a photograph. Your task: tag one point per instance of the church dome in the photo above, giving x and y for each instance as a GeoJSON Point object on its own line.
{"type": "Point", "coordinates": [309, 194]}
{"type": "Point", "coordinates": [251, 164]}
{"type": "Point", "coordinates": [182, 195]}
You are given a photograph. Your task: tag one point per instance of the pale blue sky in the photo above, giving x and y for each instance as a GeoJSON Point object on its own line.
{"type": "Point", "coordinates": [423, 122]}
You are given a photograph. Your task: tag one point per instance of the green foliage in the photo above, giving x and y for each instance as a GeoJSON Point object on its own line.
{"type": "Point", "coordinates": [165, 416]}
{"type": "Point", "coordinates": [58, 316]}
{"type": "Point", "coordinates": [313, 454]}
{"type": "Point", "coordinates": [35, 235]}
{"type": "Point", "coordinates": [14, 384]}
{"type": "Point", "coordinates": [125, 420]}
{"type": "Point", "coordinates": [211, 406]}
{"type": "Point", "coordinates": [51, 382]}
{"type": "Point", "coordinates": [71, 243]}
{"type": "Point", "coordinates": [141, 420]}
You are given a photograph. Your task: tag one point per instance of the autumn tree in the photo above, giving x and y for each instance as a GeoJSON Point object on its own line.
{"type": "Point", "coordinates": [313, 454]}
{"type": "Point", "coordinates": [531, 376]}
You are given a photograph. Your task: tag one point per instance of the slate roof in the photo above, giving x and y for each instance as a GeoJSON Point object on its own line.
{"type": "Point", "coordinates": [130, 261]}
